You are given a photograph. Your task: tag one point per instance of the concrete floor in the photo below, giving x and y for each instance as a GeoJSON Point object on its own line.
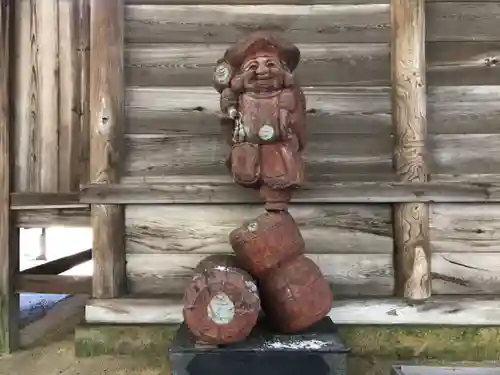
{"type": "Point", "coordinates": [57, 358]}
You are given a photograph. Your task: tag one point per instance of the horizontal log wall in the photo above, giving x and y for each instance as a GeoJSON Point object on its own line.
{"type": "Point", "coordinates": [345, 69]}
{"type": "Point", "coordinates": [173, 136]}
{"type": "Point", "coordinates": [352, 244]}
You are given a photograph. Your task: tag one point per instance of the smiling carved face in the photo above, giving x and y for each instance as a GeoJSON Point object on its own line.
{"type": "Point", "coordinates": [263, 72]}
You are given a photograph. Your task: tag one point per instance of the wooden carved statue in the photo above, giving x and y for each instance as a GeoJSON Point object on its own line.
{"type": "Point", "coordinates": [263, 115]}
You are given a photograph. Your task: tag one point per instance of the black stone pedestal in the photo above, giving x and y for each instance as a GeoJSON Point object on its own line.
{"type": "Point", "coordinates": [317, 351]}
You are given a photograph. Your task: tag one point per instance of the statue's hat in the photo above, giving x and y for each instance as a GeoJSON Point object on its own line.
{"type": "Point", "coordinates": [266, 42]}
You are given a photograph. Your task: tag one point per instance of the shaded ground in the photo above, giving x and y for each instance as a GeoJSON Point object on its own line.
{"type": "Point", "coordinates": [57, 358]}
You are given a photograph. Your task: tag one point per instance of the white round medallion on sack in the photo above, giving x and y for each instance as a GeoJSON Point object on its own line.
{"type": "Point", "coordinates": [266, 132]}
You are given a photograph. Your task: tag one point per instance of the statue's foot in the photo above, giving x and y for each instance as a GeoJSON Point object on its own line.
{"type": "Point", "coordinates": [276, 199]}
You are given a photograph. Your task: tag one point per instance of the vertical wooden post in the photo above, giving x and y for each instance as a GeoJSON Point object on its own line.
{"type": "Point", "coordinates": [411, 220]}
{"type": "Point", "coordinates": [84, 64]}
{"type": "Point", "coordinates": [9, 235]}
{"type": "Point", "coordinates": [106, 142]}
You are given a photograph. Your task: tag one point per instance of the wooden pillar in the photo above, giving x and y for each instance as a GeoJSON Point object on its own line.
{"type": "Point", "coordinates": [106, 142]}
{"type": "Point", "coordinates": [9, 234]}
{"type": "Point", "coordinates": [411, 220]}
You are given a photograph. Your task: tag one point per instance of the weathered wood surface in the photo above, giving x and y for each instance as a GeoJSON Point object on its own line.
{"type": "Point", "coordinates": [412, 253]}
{"type": "Point", "coordinates": [258, 2]}
{"type": "Point", "coordinates": [61, 284]}
{"type": "Point", "coordinates": [447, 21]}
{"type": "Point", "coordinates": [462, 228]}
{"type": "Point", "coordinates": [26, 201]}
{"type": "Point", "coordinates": [9, 235]}
{"type": "Point", "coordinates": [67, 217]}
{"type": "Point", "coordinates": [164, 243]}
{"type": "Point", "coordinates": [361, 64]}
{"type": "Point", "coordinates": [342, 64]}
{"type": "Point", "coordinates": [106, 143]}
{"type": "Point", "coordinates": [189, 155]}
{"type": "Point", "coordinates": [225, 191]}
{"type": "Point", "coordinates": [71, 308]}
{"type": "Point", "coordinates": [228, 23]}
{"type": "Point", "coordinates": [437, 311]}
{"type": "Point", "coordinates": [47, 14]}
{"type": "Point", "coordinates": [302, 2]}
{"type": "Point", "coordinates": [205, 229]}
{"type": "Point", "coordinates": [152, 157]}
{"type": "Point", "coordinates": [70, 95]}
{"type": "Point", "coordinates": [334, 110]}
{"type": "Point", "coordinates": [83, 24]}
{"type": "Point", "coordinates": [48, 93]}
{"type": "Point", "coordinates": [349, 274]}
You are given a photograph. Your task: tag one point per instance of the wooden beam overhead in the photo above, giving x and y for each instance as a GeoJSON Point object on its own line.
{"type": "Point", "coordinates": [64, 284]}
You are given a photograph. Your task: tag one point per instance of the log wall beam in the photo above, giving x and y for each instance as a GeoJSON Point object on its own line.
{"type": "Point", "coordinates": [107, 90]}
{"type": "Point", "coordinates": [409, 117]}
{"type": "Point", "coordinates": [9, 235]}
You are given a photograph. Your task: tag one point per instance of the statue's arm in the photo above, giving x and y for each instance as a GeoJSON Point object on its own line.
{"type": "Point", "coordinates": [293, 113]}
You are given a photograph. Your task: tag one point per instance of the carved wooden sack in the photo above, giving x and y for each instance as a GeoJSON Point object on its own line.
{"type": "Point", "coordinates": [221, 302]}
{"type": "Point", "coordinates": [270, 248]}
{"type": "Point", "coordinates": [282, 166]}
{"type": "Point", "coordinates": [245, 163]}
{"type": "Point", "coordinates": [261, 244]}
{"type": "Point", "coordinates": [296, 295]}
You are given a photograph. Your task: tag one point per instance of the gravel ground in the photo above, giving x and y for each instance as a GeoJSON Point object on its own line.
{"type": "Point", "coordinates": [57, 357]}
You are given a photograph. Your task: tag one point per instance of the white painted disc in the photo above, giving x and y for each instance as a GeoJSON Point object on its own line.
{"type": "Point", "coordinates": [266, 132]}
{"type": "Point", "coordinates": [221, 309]}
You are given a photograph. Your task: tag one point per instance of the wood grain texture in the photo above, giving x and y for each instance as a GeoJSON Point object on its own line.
{"type": "Point", "coordinates": [106, 143]}
{"type": "Point", "coordinates": [9, 235]}
{"type": "Point", "coordinates": [462, 63]}
{"type": "Point", "coordinates": [318, 23]}
{"type": "Point", "coordinates": [355, 157]}
{"type": "Point", "coordinates": [440, 310]}
{"type": "Point", "coordinates": [349, 274]}
{"type": "Point", "coordinates": [71, 308]}
{"type": "Point", "coordinates": [258, 2]}
{"type": "Point", "coordinates": [49, 90]}
{"type": "Point", "coordinates": [463, 21]}
{"type": "Point", "coordinates": [21, 201]}
{"type": "Point", "coordinates": [290, 2]}
{"type": "Point", "coordinates": [68, 217]}
{"type": "Point", "coordinates": [83, 26]}
{"type": "Point", "coordinates": [465, 227]}
{"type": "Point", "coordinates": [59, 284]}
{"type": "Point", "coordinates": [27, 84]}
{"type": "Point", "coordinates": [48, 69]}
{"type": "Point", "coordinates": [412, 254]}
{"type": "Point", "coordinates": [225, 192]}
{"type": "Point", "coordinates": [330, 110]}
{"type": "Point", "coordinates": [204, 229]}
{"type": "Point", "coordinates": [228, 23]}
{"type": "Point", "coordinates": [186, 155]}
{"type": "Point", "coordinates": [341, 64]}
{"type": "Point", "coordinates": [69, 96]}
